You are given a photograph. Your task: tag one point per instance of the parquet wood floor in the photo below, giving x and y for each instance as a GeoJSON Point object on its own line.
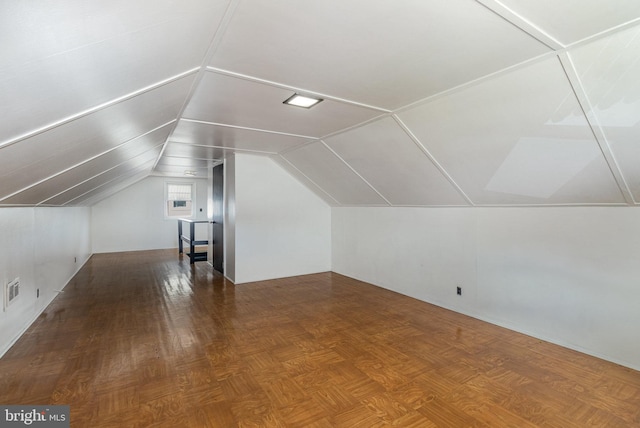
{"type": "Point", "coordinates": [144, 339]}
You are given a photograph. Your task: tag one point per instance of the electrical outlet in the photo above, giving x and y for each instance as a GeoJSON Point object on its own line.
{"type": "Point", "coordinates": [459, 291]}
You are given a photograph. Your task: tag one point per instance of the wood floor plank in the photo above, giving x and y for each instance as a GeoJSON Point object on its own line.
{"type": "Point", "coordinates": [146, 339]}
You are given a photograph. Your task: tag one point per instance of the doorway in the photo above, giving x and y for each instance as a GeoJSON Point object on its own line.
{"type": "Point", "coordinates": [217, 225]}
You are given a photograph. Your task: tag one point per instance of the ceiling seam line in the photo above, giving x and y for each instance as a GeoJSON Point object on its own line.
{"type": "Point", "coordinates": [194, 158]}
{"type": "Point", "coordinates": [96, 109]}
{"type": "Point", "coordinates": [211, 50]}
{"type": "Point", "coordinates": [310, 180]}
{"type": "Point", "coordinates": [129, 173]}
{"type": "Point", "coordinates": [605, 33]}
{"type": "Point", "coordinates": [294, 88]}
{"type": "Point", "coordinates": [355, 172]}
{"type": "Point", "coordinates": [98, 175]}
{"type": "Point", "coordinates": [356, 126]}
{"type": "Point", "coordinates": [143, 174]}
{"type": "Point", "coordinates": [560, 46]}
{"type": "Point", "coordinates": [87, 161]}
{"type": "Point", "coordinates": [475, 82]}
{"type": "Point", "coordinates": [594, 125]}
{"type": "Point", "coordinates": [433, 160]}
{"type": "Point", "coordinates": [221, 148]}
{"type": "Point", "coordinates": [204, 122]}
{"type": "Point", "coordinates": [521, 23]}
{"type": "Point", "coordinates": [293, 149]}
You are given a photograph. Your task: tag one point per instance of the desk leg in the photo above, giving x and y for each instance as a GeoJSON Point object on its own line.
{"type": "Point", "coordinates": [192, 248]}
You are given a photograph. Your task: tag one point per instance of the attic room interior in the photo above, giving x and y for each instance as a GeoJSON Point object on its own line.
{"type": "Point", "coordinates": [448, 237]}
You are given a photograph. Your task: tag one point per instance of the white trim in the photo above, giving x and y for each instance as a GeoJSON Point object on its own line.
{"type": "Point", "coordinates": [91, 110]}
{"type": "Point", "coordinates": [293, 88]}
{"type": "Point", "coordinates": [39, 312]}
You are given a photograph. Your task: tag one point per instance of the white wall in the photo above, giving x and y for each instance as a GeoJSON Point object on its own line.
{"type": "Point", "coordinates": [134, 218]}
{"type": "Point", "coordinates": [44, 247]}
{"type": "Point", "coordinates": [281, 228]}
{"type": "Point", "coordinates": [423, 253]}
{"type": "Point", "coordinates": [566, 275]}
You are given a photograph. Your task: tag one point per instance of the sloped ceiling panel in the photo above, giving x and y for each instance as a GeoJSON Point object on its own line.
{"type": "Point", "coordinates": [231, 137]}
{"type": "Point", "coordinates": [194, 151]}
{"type": "Point", "coordinates": [608, 70]}
{"type": "Point", "coordinates": [87, 54]}
{"type": "Point", "coordinates": [376, 52]}
{"type": "Point", "coordinates": [142, 162]}
{"type": "Point", "coordinates": [191, 160]}
{"type": "Point", "coordinates": [173, 166]}
{"type": "Point", "coordinates": [330, 173]}
{"type": "Point", "coordinates": [183, 162]}
{"type": "Point", "coordinates": [110, 188]}
{"type": "Point", "coordinates": [79, 79]}
{"type": "Point", "coordinates": [29, 161]}
{"type": "Point", "coordinates": [228, 100]}
{"type": "Point", "coordinates": [287, 166]}
{"type": "Point", "coordinates": [569, 21]}
{"type": "Point", "coordinates": [120, 155]}
{"type": "Point", "coordinates": [384, 155]}
{"type": "Point", "coordinates": [519, 138]}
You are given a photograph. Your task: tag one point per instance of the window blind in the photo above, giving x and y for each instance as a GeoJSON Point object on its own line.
{"type": "Point", "coordinates": [179, 192]}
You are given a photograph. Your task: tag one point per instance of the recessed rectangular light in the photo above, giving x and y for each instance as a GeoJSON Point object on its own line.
{"type": "Point", "coordinates": [301, 101]}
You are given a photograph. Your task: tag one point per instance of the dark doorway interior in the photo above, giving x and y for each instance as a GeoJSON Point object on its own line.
{"type": "Point", "coordinates": [218, 218]}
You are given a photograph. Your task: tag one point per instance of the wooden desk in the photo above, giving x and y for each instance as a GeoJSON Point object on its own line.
{"type": "Point", "coordinates": [190, 240]}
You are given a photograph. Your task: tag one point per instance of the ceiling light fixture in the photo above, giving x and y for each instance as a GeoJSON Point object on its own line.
{"type": "Point", "coordinates": [190, 173]}
{"type": "Point", "coordinates": [302, 101]}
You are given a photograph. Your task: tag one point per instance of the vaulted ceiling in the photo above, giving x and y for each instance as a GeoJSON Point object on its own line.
{"type": "Point", "coordinates": [425, 102]}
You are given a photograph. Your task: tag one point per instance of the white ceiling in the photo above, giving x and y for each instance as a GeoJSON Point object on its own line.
{"type": "Point", "coordinates": [426, 102]}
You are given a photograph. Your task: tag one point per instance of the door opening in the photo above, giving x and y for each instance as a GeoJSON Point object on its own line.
{"type": "Point", "coordinates": [218, 218]}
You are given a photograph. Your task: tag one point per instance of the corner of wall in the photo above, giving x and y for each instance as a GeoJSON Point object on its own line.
{"type": "Point", "coordinates": [49, 246]}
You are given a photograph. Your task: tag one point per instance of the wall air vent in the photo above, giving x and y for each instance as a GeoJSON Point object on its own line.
{"type": "Point", "coordinates": [11, 292]}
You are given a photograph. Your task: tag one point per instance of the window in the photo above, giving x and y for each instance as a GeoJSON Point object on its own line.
{"type": "Point", "coordinates": [179, 199]}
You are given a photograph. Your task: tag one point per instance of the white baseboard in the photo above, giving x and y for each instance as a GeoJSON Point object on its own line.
{"type": "Point", "coordinates": [39, 312]}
